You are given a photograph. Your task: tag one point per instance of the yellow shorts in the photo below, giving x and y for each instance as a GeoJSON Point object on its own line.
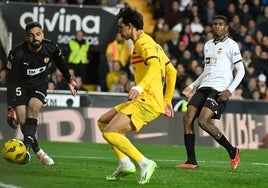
{"type": "Point", "coordinates": [140, 113]}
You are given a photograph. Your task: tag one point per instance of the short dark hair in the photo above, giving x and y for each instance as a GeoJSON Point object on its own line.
{"type": "Point", "coordinates": [132, 16]}
{"type": "Point", "coordinates": [31, 25]}
{"type": "Point", "coordinates": [221, 17]}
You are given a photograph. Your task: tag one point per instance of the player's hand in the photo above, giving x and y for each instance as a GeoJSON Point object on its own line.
{"type": "Point", "coordinates": [169, 110]}
{"type": "Point", "coordinates": [73, 87]}
{"type": "Point", "coordinates": [224, 96]}
{"type": "Point", "coordinates": [134, 92]}
{"type": "Point", "coordinates": [11, 118]}
{"type": "Point", "coordinates": [186, 92]}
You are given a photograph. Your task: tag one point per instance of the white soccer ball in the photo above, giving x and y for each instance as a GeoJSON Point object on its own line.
{"type": "Point", "coordinates": [14, 151]}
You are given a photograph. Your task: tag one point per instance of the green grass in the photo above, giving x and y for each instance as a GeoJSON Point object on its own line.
{"type": "Point", "coordinates": [80, 165]}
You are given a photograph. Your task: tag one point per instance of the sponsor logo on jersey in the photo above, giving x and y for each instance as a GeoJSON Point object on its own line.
{"type": "Point", "coordinates": [211, 60]}
{"type": "Point", "coordinates": [32, 72]}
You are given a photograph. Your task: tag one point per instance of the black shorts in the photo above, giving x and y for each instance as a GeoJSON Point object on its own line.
{"type": "Point", "coordinates": [25, 93]}
{"type": "Point", "coordinates": [208, 97]}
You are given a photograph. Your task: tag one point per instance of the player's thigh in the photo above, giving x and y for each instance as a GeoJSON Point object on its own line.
{"type": "Point", "coordinates": [108, 116]}
{"type": "Point", "coordinates": [34, 107]}
{"type": "Point", "coordinates": [120, 123]}
{"type": "Point", "coordinates": [139, 113]}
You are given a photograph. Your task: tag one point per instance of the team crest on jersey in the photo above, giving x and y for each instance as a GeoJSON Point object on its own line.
{"type": "Point", "coordinates": [46, 60]}
{"type": "Point", "coordinates": [219, 51]}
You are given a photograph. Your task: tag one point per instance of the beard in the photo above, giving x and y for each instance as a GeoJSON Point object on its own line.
{"type": "Point", "coordinates": [36, 44]}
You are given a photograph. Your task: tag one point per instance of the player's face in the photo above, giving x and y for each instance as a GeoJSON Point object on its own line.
{"type": "Point", "coordinates": [34, 37]}
{"type": "Point", "coordinates": [124, 29]}
{"type": "Point", "coordinates": [219, 28]}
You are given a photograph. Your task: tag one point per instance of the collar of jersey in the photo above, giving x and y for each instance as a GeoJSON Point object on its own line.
{"type": "Point", "coordinates": [222, 40]}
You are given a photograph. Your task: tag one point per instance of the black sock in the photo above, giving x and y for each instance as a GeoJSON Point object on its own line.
{"type": "Point", "coordinates": [221, 139]}
{"type": "Point", "coordinates": [29, 131]}
{"type": "Point", "coordinates": [35, 146]}
{"type": "Point", "coordinates": [189, 141]}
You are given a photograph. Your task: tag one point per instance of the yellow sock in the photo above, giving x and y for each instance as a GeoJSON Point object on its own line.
{"type": "Point", "coordinates": [117, 152]}
{"type": "Point", "coordinates": [123, 144]}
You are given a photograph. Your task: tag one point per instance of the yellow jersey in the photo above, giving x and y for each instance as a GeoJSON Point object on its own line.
{"type": "Point", "coordinates": [148, 62]}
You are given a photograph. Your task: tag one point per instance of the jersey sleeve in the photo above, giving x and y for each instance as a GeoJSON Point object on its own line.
{"type": "Point", "coordinates": [154, 68]}
{"type": "Point", "coordinates": [12, 81]}
{"type": "Point", "coordinates": [61, 63]}
{"type": "Point", "coordinates": [235, 52]}
{"type": "Point", "coordinates": [171, 75]}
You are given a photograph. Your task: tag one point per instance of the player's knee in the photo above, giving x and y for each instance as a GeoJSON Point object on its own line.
{"type": "Point", "coordinates": [202, 123]}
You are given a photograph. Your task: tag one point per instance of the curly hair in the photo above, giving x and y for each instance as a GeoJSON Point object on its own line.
{"type": "Point", "coordinates": [132, 16]}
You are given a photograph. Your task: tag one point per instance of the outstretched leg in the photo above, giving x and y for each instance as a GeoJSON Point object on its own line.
{"type": "Point", "coordinates": [205, 123]}
{"type": "Point", "coordinates": [113, 133]}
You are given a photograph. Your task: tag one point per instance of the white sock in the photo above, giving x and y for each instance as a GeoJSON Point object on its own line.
{"type": "Point", "coordinates": [143, 162]}
{"type": "Point", "coordinates": [125, 161]}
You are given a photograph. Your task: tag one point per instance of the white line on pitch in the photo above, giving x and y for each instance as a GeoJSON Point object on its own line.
{"type": "Point", "coordinates": [164, 160]}
{"type": "Point", "coordinates": [3, 185]}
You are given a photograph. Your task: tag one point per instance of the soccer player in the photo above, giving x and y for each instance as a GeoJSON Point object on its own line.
{"type": "Point", "coordinates": [147, 99]}
{"type": "Point", "coordinates": [27, 83]}
{"type": "Point", "coordinates": [222, 73]}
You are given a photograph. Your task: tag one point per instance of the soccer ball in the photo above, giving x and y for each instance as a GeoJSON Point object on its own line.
{"type": "Point", "coordinates": [14, 151]}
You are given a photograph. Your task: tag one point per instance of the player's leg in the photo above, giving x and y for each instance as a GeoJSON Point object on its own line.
{"type": "Point", "coordinates": [102, 123]}
{"type": "Point", "coordinates": [125, 167]}
{"type": "Point", "coordinates": [189, 138]}
{"type": "Point", "coordinates": [192, 112]}
{"type": "Point", "coordinates": [29, 130]}
{"type": "Point", "coordinates": [21, 117]}
{"type": "Point", "coordinates": [206, 114]}
{"type": "Point", "coordinates": [123, 123]}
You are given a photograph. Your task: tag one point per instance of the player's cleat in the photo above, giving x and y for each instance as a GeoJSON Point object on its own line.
{"type": "Point", "coordinates": [147, 172]}
{"type": "Point", "coordinates": [44, 157]}
{"type": "Point", "coordinates": [122, 171]}
{"type": "Point", "coordinates": [236, 160]}
{"type": "Point", "coordinates": [26, 159]}
{"type": "Point", "coordinates": [187, 165]}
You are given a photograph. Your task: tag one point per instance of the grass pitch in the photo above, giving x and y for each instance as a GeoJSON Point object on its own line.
{"type": "Point", "coordinates": [85, 165]}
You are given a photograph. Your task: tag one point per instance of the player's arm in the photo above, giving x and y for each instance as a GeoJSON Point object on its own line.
{"type": "Point", "coordinates": [170, 78]}
{"type": "Point", "coordinates": [170, 81]}
{"type": "Point", "coordinates": [62, 66]}
{"type": "Point", "coordinates": [240, 72]}
{"type": "Point", "coordinates": [12, 71]}
{"type": "Point", "coordinates": [188, 90]}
